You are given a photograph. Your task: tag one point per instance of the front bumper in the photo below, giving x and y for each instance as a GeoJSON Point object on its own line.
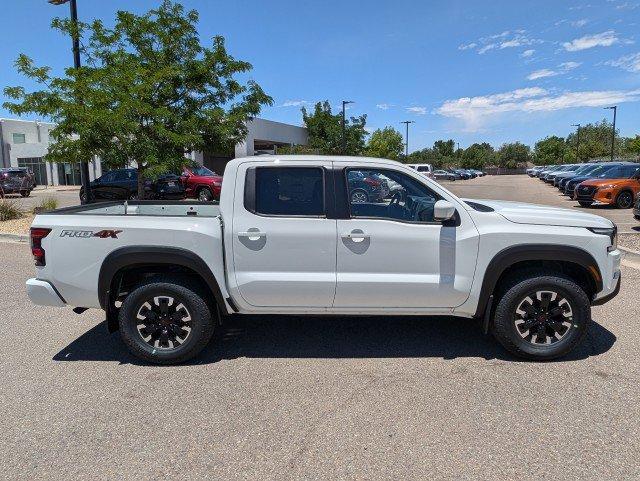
{"type": "Point", "coordinates": [43, 293]}
{"type": "Point", "coordinates": [610, 278]}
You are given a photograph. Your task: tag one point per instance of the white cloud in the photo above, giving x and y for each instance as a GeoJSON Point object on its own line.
{"type": "Point", "coordinates": [474, 111]}
{"type": "Point", "coordinates": [527, 53]}
{"type": "Point", "coordinates": [544, 73]}
{"type": "Point", "coordinates": [417, 110]}
{"type": "Point", "coordinates": [294, 103]}
{"type": "Point", "coordinates": [500, 41]}
{"type": "Point", "coordinates": [579, 23]}
{"type": "Point", "coordinates": [566, 66]}
{"type": "Point", "coordinates": [604, 39]}
{"type": "Point", "coordinates": [627, 6]}
{"type": "Point", "coordinates": [467, 46]}
{"type": "Point", "coordinates": [630, 62]}
{"type": "Point", "coordinates": [383, 106]}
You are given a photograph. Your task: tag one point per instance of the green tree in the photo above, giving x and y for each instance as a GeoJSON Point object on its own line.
{"type": "Point", "coordinates": [444, 147]}
{"type": "Point", "coordinates": [552, 150]}
{"type": "Point", "coordinates": [632, 146]}
{"type": "Point", "coordinates": [478, 156]}
{"type": "Point", "coordinates": [513, 155]}
{"type": "Point", "coordinates": [595, 141]}
{"type": "Point", "coordinates": [385, 143]}
{"type": "Point", "coordinates": [149, 93]}
{"type": "Point", "coordinates": [325, 130]}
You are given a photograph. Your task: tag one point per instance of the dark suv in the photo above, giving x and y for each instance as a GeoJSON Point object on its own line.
{"type": "Point", "coordinates": [15, 181]}
{"type": "Point", "coordinates": [122, 184]}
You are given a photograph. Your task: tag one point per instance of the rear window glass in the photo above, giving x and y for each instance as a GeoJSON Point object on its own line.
{"type": "Point", "coordinates": [289, 191]}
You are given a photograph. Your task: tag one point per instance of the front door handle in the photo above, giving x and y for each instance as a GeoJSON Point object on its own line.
{"type": "Point", "coordinates": [356, 235]}
{"type": "Point", "coordinates": [253, 234]}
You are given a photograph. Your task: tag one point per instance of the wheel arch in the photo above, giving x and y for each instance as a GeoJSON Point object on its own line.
{"type": "Point", "coordinates": [153, 259]}
{"type": "Point", "coordinates": [574, 261]}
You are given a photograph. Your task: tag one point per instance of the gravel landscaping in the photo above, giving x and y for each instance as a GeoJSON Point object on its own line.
{"type": "Point", "coordinates": [629, 241]}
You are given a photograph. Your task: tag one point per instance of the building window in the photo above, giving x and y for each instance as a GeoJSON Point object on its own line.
{"type": "Point", "coordinates": [19, 138]}
{"type": "Point", "coordinates": [69, 174]}
{"type": "Point", "coordinates": [35, 166]}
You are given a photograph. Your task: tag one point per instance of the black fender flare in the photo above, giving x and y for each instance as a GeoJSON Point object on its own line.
{"type": "Point", "coordinates": [139, 256]}
{"type": "Point", "coordinates": [533, 252]}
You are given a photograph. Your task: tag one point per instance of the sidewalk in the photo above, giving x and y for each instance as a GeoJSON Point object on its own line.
{"type": "Point", "coordinates": [57, 188]}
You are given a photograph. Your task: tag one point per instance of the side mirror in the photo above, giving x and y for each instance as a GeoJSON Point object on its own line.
{"type": "Point", "coordinates": [443, 210]}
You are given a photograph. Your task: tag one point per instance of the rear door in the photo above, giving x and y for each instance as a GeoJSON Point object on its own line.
{"type": "Point", "coordinates": [391, 254]}
{"type": "Point", "coordinates": [284, 246]}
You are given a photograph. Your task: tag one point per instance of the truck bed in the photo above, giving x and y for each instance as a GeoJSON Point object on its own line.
{"type": "Point", "coordinates": [143, 208]}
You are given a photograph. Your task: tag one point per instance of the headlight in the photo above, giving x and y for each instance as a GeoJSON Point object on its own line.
{"type": "Point", "coordinates": [605, 187]}
{"type": "Point", "coordinates": [611, 232]}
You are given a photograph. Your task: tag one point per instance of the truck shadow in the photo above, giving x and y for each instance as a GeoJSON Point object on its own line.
{"type": "Point", "coordinates": [333, 337]}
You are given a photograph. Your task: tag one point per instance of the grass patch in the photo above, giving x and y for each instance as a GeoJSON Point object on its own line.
{"type": "Point", "coordinates": [47, 203]}
{"type": "Point", "coordinates": [9, 210]}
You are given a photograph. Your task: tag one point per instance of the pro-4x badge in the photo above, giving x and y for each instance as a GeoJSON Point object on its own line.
{"type": "Point", "coordinates": [83, 234]}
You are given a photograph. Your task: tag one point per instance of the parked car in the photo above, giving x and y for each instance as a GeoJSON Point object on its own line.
{"type": "Point", "coordinates": [555, 177]}
{"type": "Point", "coordinates": [444, 175]}
{"type": "Point", "coordinates": [425, 169]}
{"type": "Point", "coordinates": [464, 175]}
{"type": "Point", "coordinates": [584, 170]}
{"type": "Point", "coordinates": [455, 174]}
{"type": "Point", "coordinates": [599, 172]}
{"type": "Point", "coordinates": [15, 181]}
{"type": "Point", "coordinates": [549, 176]}
{"type": "Point", "coordinates": [122, 184]}
{"type": "Point", "coordinates": [201, 183]}
{"type": "Point", "coordinates": [619, 188]}
{"type": "Point", "coordinates": [164, 273]}
{"type": "Point", "coordinates": [479, 173]}
{"type": "Point", "coordinates": [543, 173]}
{"type": "Point", "coordinates": [364, 188]}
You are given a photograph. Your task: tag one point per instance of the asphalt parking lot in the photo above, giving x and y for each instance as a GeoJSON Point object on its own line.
{"type": "Point", "coordinates": [66, 196]}
{"type": "Point", "coordinates": [317, 398]}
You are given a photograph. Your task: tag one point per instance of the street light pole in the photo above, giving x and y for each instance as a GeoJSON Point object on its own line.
{"type": "Point", "coordinates": [578, 141]}
{"type": "Point", "coordinates": [613, 131]}
{"type": "Point", "coordinates": [344, 137]}
{"type": "Point", "coordinates": [75, 37]}
{"type": "Point", "coordinates": [406, 144]}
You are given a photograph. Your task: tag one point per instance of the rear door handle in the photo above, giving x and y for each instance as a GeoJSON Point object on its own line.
{"type": "Point", "coordinates": [253, 234]}
{"type": "Point", "coordinates": [356, 235]}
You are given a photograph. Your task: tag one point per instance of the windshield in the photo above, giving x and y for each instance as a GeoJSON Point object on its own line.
{"type": "Point", "coordinates": [203, 171]}
{"type": "Point", "coordinates": [602, 171]}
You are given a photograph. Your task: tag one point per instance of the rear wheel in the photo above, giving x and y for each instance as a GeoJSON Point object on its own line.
{"type": "Point", "coordinates": [624, 200]}
{"type": "Point", "coordinates": [541, 317]}
{"type": "Point", "coordinates": [359, 196]}
{"type": "Point", "coordinates": [205, 195]}
{"type": "Point", "coordinates": [585, 203]}
{"type": "Point", "coordinates": [166, 321]}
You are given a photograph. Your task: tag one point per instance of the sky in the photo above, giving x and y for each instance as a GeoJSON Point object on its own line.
{"type": "Point", "coordinates": [498, 71]}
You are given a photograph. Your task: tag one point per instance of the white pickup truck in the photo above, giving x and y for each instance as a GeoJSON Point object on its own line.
{"type": "Point", "coordinates": [326, 235]}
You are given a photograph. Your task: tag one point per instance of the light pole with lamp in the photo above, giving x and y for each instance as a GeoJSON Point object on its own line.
{"type": "Point", "coordinates": [75, 37]}
{"type": "Point", "coordinates": [344, 137]}
{"type": "Point", "coordinates": [406, 145]}
{"type": "Point", "coordinates": [578, 141]}
{"type": "Point", "coordinates": [613, 131]}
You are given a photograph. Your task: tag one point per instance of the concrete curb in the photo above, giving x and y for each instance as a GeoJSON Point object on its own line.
{"type": "Point", "coordinates": [14, 238]}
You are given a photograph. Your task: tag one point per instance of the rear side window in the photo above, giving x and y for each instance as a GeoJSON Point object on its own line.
{"type": "Point", "coordinates": [288, 191]}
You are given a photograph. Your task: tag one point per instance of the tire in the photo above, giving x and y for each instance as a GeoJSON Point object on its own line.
{"type": "Point", "coordinates": [624, 200]}
{"type": "Point", "coordinates": [205, 194]}
{"type": "Point", "coordinates": [166, 341]}
{"type": "Point", "coordinates": [25, 193]}
{"type": "Point", "coordinates": [358, 196]}
{"type": "Point", "coordinates": [520, 320]}
{"type": "Point", "coordinates": [83, 197]}
{"type": "Point", "coordinates": [585, 203]}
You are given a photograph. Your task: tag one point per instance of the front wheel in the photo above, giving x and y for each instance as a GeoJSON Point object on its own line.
{"type": "Point", "coordinates": [624, 200]}
{"type": "Point", "coordinates": [166, 321]}
{"type": "Point", "coordinates": [541, 317]}
{"type": "Point", "coordinates": [585, 203]}
{"type": "Point", "coordinates": [25, 193]}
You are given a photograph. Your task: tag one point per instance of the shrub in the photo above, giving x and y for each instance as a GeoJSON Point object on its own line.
{"type": "Point", "coordinates": [47, 203]}
{"type": "Point", "coordinates": [9, 209]}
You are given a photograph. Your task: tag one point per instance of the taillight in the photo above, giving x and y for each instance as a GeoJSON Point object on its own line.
{"type": "Point", "coordinates": [371, 182]}
{"type": "Point", "coordinates": [37, 234]}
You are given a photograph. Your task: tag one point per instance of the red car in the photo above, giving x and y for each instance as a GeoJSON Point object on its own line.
{"type": "Point", "coordinates": [201, 183]}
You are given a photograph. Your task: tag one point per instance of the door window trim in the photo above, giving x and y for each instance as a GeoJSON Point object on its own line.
{"type": "Point", "coordinates": [347, 204]}
{"type": "Point", "coordinates": [250, 188]}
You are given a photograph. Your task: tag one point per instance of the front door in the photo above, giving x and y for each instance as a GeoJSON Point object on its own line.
{"type": "Point", "coordinates": [284, 247]}
{"type": "Point", "coordinates": [390, 251]}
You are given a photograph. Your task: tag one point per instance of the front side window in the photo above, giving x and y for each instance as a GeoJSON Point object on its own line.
{"type": "Point", "coordinates": [293, 191]}
{"type": "Point", "coordinates": [387, 194]}
{"type": "Point", "coordinates": [19, 138]}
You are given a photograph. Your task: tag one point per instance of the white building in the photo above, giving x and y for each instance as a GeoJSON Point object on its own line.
{"type": "Point", "coordinates": [24, 143]}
